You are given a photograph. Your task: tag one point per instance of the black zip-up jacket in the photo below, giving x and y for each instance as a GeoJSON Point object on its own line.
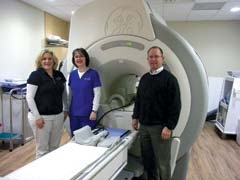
{"type": "Point", "coordinates": [158, 100]}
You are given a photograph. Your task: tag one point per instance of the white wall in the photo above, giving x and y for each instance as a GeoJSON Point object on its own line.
{"type": "Point", "coordinates": [217, 42]}
{"type": "Point", "coordinates": [21, 38]}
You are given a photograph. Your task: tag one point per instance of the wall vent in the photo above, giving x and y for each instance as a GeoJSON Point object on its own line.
{"type": "Point", "coordinates": [208, 6]}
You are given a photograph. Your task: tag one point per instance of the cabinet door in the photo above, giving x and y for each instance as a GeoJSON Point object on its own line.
{"type": "Point", "coordinates": [233, 108]}
{"type": "Point", "coordinates": [222, 113]}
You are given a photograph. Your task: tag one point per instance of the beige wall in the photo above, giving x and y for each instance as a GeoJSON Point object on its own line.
{"type": "Point", "coordinates": [59, 27]}
{"type": "Point", "coordinates": [60, 52]}
{"type": "Point", "coordinates": [56, 26]}
{"type": "Point", "coordinates": [217, 42]}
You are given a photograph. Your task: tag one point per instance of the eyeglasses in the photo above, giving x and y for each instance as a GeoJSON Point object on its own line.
{"type": "Point", "coordinates": [156, 56]}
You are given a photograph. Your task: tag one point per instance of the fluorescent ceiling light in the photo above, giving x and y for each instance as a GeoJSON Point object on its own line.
{"type": "Point", "coordinates": [235, 9]}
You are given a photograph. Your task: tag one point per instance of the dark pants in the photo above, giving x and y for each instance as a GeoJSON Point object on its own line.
{"type": "Point", "coordinates": [156, 153]}
{"type": "Point", "coordinates": [77, 122]}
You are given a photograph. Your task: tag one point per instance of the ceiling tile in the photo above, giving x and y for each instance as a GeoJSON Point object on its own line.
{"type": "Point", "coordinates": [208, 1]}
{"type": "Point", "coordinates": [82, 2]}
{"type": "Point", "coordinates": [208, 6]}
{"type": "Point", "coordinates": [201, 15]}
{"type": "Point", "coordinates": [170, 10]}
{"type": "Point", "coordinates": [177, 11]}
{"type": "Point", "coordinates": [226, 14]}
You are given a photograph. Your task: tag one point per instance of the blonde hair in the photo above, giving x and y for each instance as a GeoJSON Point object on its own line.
{"type": "Point", "coordinates": [40, 56]}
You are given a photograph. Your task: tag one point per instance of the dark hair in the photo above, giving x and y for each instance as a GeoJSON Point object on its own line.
{"type": "Point", "coordinates": [155, 47]}
{"type": "Point", "coordinates": [84, 53]}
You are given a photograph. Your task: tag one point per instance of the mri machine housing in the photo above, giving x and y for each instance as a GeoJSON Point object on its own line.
{"type": "Point", "coordinates": [117, 35]}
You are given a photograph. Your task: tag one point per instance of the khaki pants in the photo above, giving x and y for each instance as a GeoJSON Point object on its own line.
{"type": "Point", "coordinates": [48, 138]}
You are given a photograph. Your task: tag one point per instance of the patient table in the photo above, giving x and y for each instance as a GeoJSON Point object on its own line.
{"type": "Point", "coordinates": [75, 161]}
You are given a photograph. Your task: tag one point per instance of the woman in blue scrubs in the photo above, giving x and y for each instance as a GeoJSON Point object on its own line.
{"type": "Point", "coordinates": [84, 91]}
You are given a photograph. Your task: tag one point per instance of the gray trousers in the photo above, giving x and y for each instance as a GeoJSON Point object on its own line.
{"type": "Point", "coordinates": [156, 153]}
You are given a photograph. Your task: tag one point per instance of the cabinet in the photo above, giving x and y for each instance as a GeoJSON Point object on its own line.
{"type": "Point", "coordinates": [57, 27]}
{"type": "Point", "coordinates": [229, 106]}
{"type": "Point", "coordinates": [59, 51]}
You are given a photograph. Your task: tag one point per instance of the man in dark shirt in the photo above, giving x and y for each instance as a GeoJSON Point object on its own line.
{"type": "Point", "coordinates": [157, 108]}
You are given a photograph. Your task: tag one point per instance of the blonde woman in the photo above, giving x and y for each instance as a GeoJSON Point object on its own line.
{"type": "Point", "coordinates": [47, 102]}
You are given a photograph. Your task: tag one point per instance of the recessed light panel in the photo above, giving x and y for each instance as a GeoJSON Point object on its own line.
{"type": "Point", "coordinates": [208, 6]}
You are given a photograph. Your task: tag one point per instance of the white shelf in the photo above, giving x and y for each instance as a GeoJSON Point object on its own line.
{"type": "Point", "coordinates": [224, 105]}
{"type": "Point", "coordinates": [229, 78]}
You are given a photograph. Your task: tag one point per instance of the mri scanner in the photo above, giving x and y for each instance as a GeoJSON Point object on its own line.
{"type": "Point", "coordinates": [117, 35]}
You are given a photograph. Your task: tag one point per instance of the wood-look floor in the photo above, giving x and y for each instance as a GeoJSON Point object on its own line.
{"type": "Point", "coordinates": [212, 158]}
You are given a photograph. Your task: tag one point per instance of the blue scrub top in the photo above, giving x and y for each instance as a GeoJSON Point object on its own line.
{"type": "Point", "coordinates": [82, 91]}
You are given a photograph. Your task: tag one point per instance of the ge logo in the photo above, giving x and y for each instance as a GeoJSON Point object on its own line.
{"type": "Point", "coordinates": [123, 20]}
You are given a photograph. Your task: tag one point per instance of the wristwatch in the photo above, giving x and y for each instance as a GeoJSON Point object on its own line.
{"type": "Point", "coordinates": [94, 111]}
